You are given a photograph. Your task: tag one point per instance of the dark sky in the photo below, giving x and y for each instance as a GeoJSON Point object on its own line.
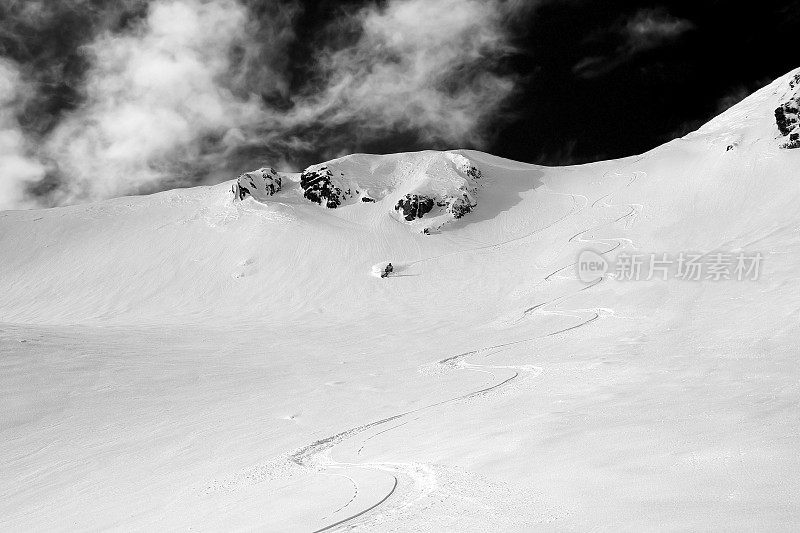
{"type": "Point", "coordinates": [628, 99]}
{"type": "Point", "coordinates": [107, 98]}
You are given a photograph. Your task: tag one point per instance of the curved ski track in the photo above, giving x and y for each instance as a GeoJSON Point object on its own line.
{"type": "Point", "coordinates": [316, 454]}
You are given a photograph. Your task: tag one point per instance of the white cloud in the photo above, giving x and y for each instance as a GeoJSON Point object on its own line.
{"type": "Point", "coordinates": [646, 30]}
{"type": "Point", "coordinates": [153, 97]}
{"type": "Point", "coordinates": [421, 65]}
{"type": "Point", "coordinates": [650, 28]}
{"type": "Point", "coordinates": [18, 166]}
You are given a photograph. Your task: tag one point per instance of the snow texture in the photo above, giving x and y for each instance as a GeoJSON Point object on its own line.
{"type": "Point", "coordinates": [182, 361]}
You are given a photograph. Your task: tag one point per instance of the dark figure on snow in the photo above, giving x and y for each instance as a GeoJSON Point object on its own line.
{"type": "Point", "coordinates": [387, 270]}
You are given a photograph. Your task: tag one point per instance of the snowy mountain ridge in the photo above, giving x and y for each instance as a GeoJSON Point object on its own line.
{"type": "Point", "coordinates": [437, 186]}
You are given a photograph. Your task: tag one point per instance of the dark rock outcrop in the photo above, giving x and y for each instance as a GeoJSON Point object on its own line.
{"type": "Point", "coordinates": [474, 172]}
{"type": "Point", "coordinates": [320, 186]}
{"type": "Point", "coordinates": [795, 81]}
{"type": "Point", "coordinates": [414, 206]}
{"type": "Point", "coordinates": [442, 206]}
{"type": "Point", "coordinates": [794, 140]}
{"type": "Point", "coordinates": [260, 184]}
{"type": "Point", "coordinates": [458, 206]}
{"type": "Point", "coordinates": [787, 116]}
{"type": "Point", "coordinates": [438, 187]}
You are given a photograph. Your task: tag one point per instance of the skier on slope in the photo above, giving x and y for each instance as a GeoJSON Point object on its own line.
{"type": "Point", "coordinates": [388, 269]}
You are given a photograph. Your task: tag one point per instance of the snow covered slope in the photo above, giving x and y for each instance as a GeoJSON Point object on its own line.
{"type": "Point", "coordinates": [199, 359]}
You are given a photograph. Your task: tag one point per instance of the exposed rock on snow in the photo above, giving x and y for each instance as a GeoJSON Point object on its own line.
{"type": "Point", "coordinates": [414, 206]}
{"type": "Point", "coordinates": [321, 186]}
{"type": "Point", "coordinates": [786, 115]}
{"type": "Point", "coordinates": [450, 195]}
{"type": "Point", "coordinates": [458, 206]}
{"type": "Point", "coordinates": [435, 186]}
{"type": "Point", "coordinates": [260, 184]}
{"type": "Point", "coordinates": [438, 187]}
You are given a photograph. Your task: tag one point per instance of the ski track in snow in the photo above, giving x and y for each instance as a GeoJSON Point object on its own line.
{"type": "Point", "coordinates": [575, 209]}
{"type": "Point", "coordinates": [316, 456]}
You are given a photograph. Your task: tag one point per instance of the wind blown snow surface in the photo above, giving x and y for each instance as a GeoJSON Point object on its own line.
{"type": "Point", "coordinates": [191, 360]}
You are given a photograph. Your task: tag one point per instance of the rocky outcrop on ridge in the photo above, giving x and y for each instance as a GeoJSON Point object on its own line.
{"type": "Point", "coordinates": [260, 184]}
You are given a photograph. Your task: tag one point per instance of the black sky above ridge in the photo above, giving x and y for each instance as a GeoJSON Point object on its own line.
{"type": "Point", "coordinates": [634, 103]}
